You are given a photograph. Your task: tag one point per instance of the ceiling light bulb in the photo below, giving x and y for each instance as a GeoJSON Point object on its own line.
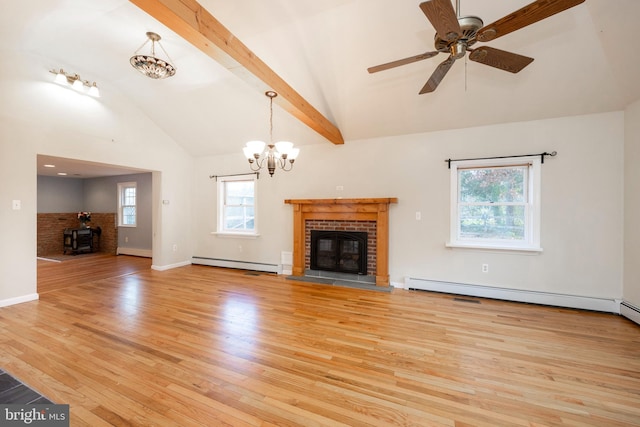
{"type": "Point", "coordinates": [293, 154]}
{"type": "Point", "coordinates": [284, 147]}
{"type": "Point", "coordinates": [77, 84]}
{"type": "Point", "coordinates": [257, 147]}
{"type": "Point", "coordinates": [94, 91]}
{"type": "Point", "coordinates": [61, 78]}
{"type": "Point", "coordinates": [248, 152]}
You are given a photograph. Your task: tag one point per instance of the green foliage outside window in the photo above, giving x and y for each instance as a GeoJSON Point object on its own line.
{"type": "Point", "coordinates": [492, 202]}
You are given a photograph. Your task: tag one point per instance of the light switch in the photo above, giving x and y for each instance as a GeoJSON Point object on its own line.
{"type": "Point", "coordinates": [16, 205]}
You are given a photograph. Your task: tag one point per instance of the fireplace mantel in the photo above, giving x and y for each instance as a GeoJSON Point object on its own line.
{"type": "Point", "coordinates": [373, 209]}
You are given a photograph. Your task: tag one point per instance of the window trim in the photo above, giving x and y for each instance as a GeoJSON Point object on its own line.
{"type": "Point", "coordinates": [121, 187]}
{"type": "Point", "coordinates": [220, 230]}
{"type": "Point", "coordinates": [532, 231]}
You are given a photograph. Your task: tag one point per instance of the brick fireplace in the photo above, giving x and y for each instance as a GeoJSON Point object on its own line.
{"type": "Point", "coordinates": [370, 215]}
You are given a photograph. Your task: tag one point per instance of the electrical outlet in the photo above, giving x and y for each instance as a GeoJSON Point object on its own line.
{"type": "Point", "coordinates": [16, 205]}
{"type": "Point", "coordinates": [175, 248]}
{"type": "Point", "coordinates": [418, 216]}
{"type": "Point", "coordinates": [126, 239]}
{"type": "Point", "coordinates": [339, 188]}
{"type": "Point", "coordinates": [485, 268]}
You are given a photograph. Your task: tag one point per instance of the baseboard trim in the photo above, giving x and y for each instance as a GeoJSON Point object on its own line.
{"type": "Point", "coordinates": [242, 265]}
{"type": "Point", "coordinates": [630, 311]}
{"type": "Point", "coordinates": [532, 297]}
{"type": "Point", "coordinates": [19, 300]}
{"type": "Point", "coordinates": [170, 266]}
{"type": "Point", "coordinates": [146, 253]}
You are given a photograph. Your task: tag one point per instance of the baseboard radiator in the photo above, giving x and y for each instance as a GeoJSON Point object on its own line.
{"type": "Point", "coordinates": [242, 265]}
{"type": "Point", "coordinates": [630, 311]}
{"type": "Point", "coordinates": [533, 297]}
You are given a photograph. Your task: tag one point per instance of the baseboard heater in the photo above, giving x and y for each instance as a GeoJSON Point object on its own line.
{"type": "Point", "coordinates": [518, 295]}
{"type": "Point", "coordinates": [630, 311]}
{"type": "Point", "coordinates": [242, 265]}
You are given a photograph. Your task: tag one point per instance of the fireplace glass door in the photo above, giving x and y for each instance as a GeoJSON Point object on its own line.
{"type": "Point", "coordinates": [339, 251]}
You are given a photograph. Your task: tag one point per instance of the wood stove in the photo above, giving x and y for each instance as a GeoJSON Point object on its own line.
{"type": "Point", "coordinates": [341, 251]}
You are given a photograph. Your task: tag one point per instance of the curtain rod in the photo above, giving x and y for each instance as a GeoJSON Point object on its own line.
{"type": "Point", "coordinates": [257, 174]}
{"type": "Point", "coordinates": [552, 154]}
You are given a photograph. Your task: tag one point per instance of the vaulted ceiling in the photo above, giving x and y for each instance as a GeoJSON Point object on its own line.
{"type": "Point", "coordinates": [584, 63]}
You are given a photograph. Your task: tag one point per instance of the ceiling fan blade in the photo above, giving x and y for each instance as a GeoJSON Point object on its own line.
{"type": "Point", "coordinates": [534, 12]}
{"type": "Point", "coordinates": [501, 59]}
{"type": "Point", "coordinates": [443, 18]}
{"type": "Point", "coordinates": [438, 75]}
{"type": "Point", "coordinates": [400, 62]}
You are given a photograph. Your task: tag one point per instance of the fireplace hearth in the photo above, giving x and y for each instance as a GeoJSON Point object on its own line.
{"type": "Point", "coordinates": [340, 251]}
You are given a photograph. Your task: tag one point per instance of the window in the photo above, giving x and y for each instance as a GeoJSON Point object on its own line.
{"type": "Point", "coordinates": [237, 205]}
{"type": "Point", "coordinates": [495, 204]}
{"type": "Point", "coordinates": [127, 214]}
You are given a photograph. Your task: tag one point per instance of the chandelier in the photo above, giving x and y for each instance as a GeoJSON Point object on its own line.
{"type": "Point", "coordinates": [281, 154]}
{"type": "Point", "coordinates": [150, 65]}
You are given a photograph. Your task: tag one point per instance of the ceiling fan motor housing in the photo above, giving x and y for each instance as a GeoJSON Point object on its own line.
{"type": "Point", "coordinates": [469, 26]}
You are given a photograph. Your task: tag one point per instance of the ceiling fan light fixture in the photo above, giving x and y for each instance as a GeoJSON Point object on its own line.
{"type": "Point", "coordinates": [150, 65]}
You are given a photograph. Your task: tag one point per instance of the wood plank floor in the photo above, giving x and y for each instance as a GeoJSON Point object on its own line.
{"type": "Point", "coordinates": [202, 346]}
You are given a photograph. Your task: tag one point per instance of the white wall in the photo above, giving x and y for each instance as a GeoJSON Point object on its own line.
{"type": "Point", "coordinates": [38, 117]}
{"type": "Point", "coordinates": [582, 198]}
{"type": "Point", "coordinates": [632, 205]}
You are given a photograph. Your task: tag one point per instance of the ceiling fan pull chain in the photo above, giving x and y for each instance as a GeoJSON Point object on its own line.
{"type": "Point", "coordinates": [466, 62]}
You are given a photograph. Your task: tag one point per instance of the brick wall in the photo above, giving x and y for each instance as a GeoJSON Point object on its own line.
{"type": "Point", "coordinates": [52, 225]}
{"type": "Point", "coordinates": [368, 227]}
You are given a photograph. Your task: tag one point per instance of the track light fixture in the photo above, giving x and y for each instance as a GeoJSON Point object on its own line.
{"type": "Point", "coordinates": [75, 82]}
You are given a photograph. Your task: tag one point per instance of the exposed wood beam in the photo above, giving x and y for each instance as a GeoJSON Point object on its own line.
{"type": "Point", "coordinates": [191, 21]}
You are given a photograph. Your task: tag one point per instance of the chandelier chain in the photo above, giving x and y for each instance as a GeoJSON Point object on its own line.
{"type": "Point", "coordinates": [271, 120]}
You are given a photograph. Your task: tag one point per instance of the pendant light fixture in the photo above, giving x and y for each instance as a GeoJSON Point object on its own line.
{"type": "Point", "coordinates": [281, 154]}
{"type": "Point", "coordinates": [150, 65]}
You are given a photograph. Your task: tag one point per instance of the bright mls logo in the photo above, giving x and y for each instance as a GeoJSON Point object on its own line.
{"type": "Point", "coordinates": [34, 415]}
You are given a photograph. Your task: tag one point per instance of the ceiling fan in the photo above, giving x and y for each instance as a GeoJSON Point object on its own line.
{"type": "Point", "coordinates": [455, 35]}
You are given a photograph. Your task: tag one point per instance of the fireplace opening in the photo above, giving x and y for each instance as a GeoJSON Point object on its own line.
{"type": "Point", "coordinates": [341, 251]}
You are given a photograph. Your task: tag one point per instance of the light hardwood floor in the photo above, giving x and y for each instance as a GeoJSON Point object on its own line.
{"type": "Point", "coordinates": [206, 346]}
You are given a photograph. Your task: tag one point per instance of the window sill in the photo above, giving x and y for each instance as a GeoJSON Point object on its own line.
{"type": "Point", "coordinates": [531, 249]}
{"type": "Point", "coordinates": [234, 235]}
